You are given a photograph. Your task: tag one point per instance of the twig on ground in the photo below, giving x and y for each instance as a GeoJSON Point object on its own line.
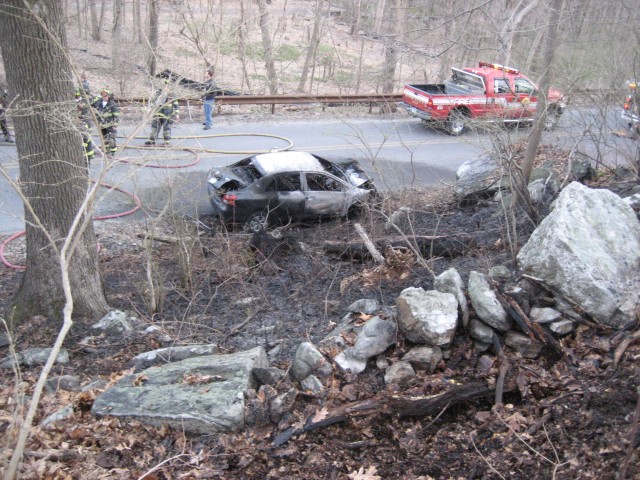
{"type": "Point", "coordinates": [377, 256]}
{"type": "Point", "coordinates": [622, 347]}
{"type": "Point", "coordinates": [504, 369]}
{"type": "Point", "coordinates": [237, 328]}
{"type": "Point", "coordinates": [485, 458]}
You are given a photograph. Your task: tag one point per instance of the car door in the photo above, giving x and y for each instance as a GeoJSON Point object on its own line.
{"type": "Point", "coordinates": [286, 197]}
{"type": "Point", "coordinates": [325, 195]}
{"type": "Point", "coordinates": [525, 98]}
{"type": "Point", "coordinates": [497, 104]}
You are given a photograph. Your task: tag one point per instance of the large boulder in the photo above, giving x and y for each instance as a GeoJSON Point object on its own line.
{"type": "Point", "coordinates": [199, 395]}
{"type": "Point", "coordinates": [450, 281]}
{"type": "Point", "coordinates": [477, 178]}
{"type": "Point", "coordinates": [428, 317]}
{"type": "Point", "coordinates": [486, 304]}
{"type": "Point", "coordinates": [376, 336]}
{"type": "Point", "coordinates": [588, 249]}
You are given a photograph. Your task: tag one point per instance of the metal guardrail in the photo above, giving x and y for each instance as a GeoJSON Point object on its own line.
{"type": "Point", "coordinates": [274, 100]}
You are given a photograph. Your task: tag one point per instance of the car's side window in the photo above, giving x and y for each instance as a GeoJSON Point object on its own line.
{"type": "Point", "coordinates": [523, 86]}
{"type": "Point", "coordinates": [319, 182]}
{"type": "Point", "coordinates": [500, 85]}
{"type": "Point", "coordinates": [289, 182]}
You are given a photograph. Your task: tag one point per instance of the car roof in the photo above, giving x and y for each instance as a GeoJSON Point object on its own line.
{"type": "Point", "coordinates": [275, 162]}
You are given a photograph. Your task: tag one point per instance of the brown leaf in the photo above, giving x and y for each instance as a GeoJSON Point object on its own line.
{"type": "Point", "coordinates": [320, 415]}
{"type": "Point", "coordinates": [194, 379]}
{"type": "Point", "coordinates": [139, 380]}
{"type": "Point", "coordinates": [362, 474]}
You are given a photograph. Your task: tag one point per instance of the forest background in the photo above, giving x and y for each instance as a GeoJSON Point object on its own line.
{"type": "Point", "coordinates": [346, 46]}
{"type": "Point", "coordinates": [283, 46]}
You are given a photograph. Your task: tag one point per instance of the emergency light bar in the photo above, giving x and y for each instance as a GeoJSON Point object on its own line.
{"type": "Point", "coordinates": [497, 66]}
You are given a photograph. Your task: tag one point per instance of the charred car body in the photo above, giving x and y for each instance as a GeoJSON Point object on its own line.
{"type": "Point", "coordinates": [277, 186]}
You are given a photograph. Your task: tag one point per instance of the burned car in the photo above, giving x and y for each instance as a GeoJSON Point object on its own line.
{"type": "Point", "coordinates": [272, 187]}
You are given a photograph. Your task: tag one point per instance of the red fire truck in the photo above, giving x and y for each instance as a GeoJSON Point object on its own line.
{"type": "Point", "coordinates": [490, 92]}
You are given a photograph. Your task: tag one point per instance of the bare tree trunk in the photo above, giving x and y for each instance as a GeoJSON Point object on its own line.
{"type": "Point", "coordinates": [377, 23]}
{"type": "Point", "coordinates": [79, 19]}
{"type": "Point", "coordinates": [137, 18]}
{"type": "Point", "coordinates": [95, 26]}
{"type": "Point", "coordinates": [360, 60]}
{"type": "Point", "coordinates": [242, 46]}
{"type": "Point", "coordinates": [551, 43]}
{"type": "Point", "coordinates": [313, 46]}
{"type": "Point", "coordinates": [116, 36]}
{"type": "Point", "coordinates": [509, 27]}
{"type": "Point", "coordinates": [154, 18]}
{"type": "Point", "coordinates": [267, 43]}
{"type": "Point", "coordinates": [356, 12]}
{"type": "Point", "coordinates": [53, 172]}
{"type": "Point", "coordinates": [103, 10]}
{"type": "Point", "coordinates": [393, 39]}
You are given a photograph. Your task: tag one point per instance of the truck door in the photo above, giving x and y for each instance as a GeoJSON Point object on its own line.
{"type": "Point", "coordinates": [498, 100]}
{"type": "Point", "coordinates": [526, 97]}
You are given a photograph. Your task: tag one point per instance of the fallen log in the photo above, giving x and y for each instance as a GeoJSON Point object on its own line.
{"type": "Point", "coordinates": [157, 237]}
{"type": "Point", "coordinates": [534, 330]}
{"type": "Point", "coordinates": [371, 248]}
{"type": "Point", "coordinates": [396, 406]}
{"type": "Point", "coordinates": [428, 246]}
{"type": "Point", "coordinates": [421, 406]}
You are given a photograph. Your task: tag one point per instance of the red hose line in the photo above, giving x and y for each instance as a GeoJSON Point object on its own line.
{"type": "Point", "coordinates": [99, 217]}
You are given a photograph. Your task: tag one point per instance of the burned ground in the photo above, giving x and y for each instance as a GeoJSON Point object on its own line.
{"type": "Point", "coordinates": [562, 417]}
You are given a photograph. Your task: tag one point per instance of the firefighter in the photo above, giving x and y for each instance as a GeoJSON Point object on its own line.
{"type": "Point", "coordinates": [108, 116]}
{"type": "Point", "coordinates": [632, 106]}
{"type": "Point", "coordinates": [83, 105]}
{"type": "Point", "coordinates": [167, 110]}
{"type": "Point", "coordinates": [4, 103]}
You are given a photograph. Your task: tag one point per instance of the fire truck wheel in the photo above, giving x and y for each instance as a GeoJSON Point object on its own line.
{"type": "Point", "coordinates": [553, 117]}
{"type": "Point", "coordinates": [456, 122]}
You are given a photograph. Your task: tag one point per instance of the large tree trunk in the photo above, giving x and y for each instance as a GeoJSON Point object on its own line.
{"type": "Point", "coordinates": [549, 53]}
{"type": "Point", "coordinates": [242, 46]}
{"type": "Point", "coordinates": [393, 39]}
{"type": "Point", "coordinates": [356, 13]}
{"type": "Point", "coordinates": [267, 43]}
{"type": "Point", "coordinates": [137, 18]}
{"type": "Point", "coordinates": [95, 26]}
{"type": "Point", "coordinates": [377, 22]}
{"type": "Point", "coordinates": [53, 173]}
{"type": "Point", "coordinates": [313, 46]}
{"type": "Point", "coordinates": [509, 27]}
{"type": "Point", "coordinates": [154, 18]}
{"type": "Point", "coordinates": [116, 36]}
{"type": "Point", "coordinates": [103, 10]}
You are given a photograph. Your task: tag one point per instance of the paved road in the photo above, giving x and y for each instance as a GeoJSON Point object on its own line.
{"type": "Point", "coordinates": [397, 153]}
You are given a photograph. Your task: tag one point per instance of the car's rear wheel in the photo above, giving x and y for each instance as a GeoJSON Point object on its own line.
{"type": "Point", "coordinates": [257, 221]}
{"type": "Point", "coordinates": [456, 122]}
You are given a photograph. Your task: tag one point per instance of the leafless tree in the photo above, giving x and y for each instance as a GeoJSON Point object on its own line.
{"type": "Point", "coordinates": [96, 33]}
{"type": "Point", "coordinates": [154, 18]}
{"type": "Point", "coordinates": [137, 17]}
{"type": "Point", "coordinates": [397, 21]}
{"type": "Point", "coordinates": [267, 43]}
{"type": "Point", "coordinates": [548, 55]}
{"type": "Point", "coordinates": [53, 173]}
{"type": "Point", "coordinates": [116, 35]}
{"type": "Point", "coordinates": [516, 15]}
{"type": "Point", "coordinates": [314, 42]}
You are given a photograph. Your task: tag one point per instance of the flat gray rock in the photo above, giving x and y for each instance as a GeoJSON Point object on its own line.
{"type": "Point", "coordinates": [198, 395]}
